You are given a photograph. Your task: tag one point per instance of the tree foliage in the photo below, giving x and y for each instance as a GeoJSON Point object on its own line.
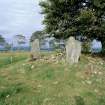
{"type": "Point", "coordinates": [64, 18]}
{"type": "Point", "coordinates": [20, 39]}
{"type": "Point", "coordinates": [2, 40]}
{"type": "Point", "coordinates": [7, 46]}
{"type": "Point", "coordinates": [37, 35]}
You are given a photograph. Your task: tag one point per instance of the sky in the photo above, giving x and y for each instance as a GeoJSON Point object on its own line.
{"type": "Point", "coordinates": [19, 17]}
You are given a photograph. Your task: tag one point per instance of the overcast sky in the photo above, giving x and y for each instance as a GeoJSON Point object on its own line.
{"type": "Point", "coordinates": [19, 17]}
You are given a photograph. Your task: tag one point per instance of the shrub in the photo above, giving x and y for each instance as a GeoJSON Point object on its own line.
{"type": "Point", "coordinates": [86, 47]}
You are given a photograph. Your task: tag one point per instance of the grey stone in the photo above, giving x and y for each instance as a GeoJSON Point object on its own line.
{"type": "Point", "coordinates": [73, 50]}
{"type": "Point", "coordinates": [35, 49]}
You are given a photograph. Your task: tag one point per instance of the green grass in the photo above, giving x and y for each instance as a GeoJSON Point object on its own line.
{"type": "Point", "coordinates": [50, 83]}
{"type": "Point", "coordinates": [10, 58]}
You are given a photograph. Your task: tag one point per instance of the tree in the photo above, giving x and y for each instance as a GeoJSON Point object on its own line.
{"type": "Point", "coordinates": [37, 35]}
{"type": "Point", "coordinates": [99, 29]}
{"type": "Point", "coordinates": [8, 46]}
{"type": "Point", "coordinates": [61, 16]}
{"type": "Point", "coordinates": [3, 43]}
{"type": "Point", "coordinates": [64, 18]}
{"type": "Point", "coordinates": [2, 40]}
{"type": "Point", "coordinates": [67, 17]}
{"type": "Point", "coordinates": [20, 39]}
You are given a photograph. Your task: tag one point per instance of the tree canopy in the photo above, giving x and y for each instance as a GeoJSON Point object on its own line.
{"type": "Point", "coordinates": [20, 39]}
{"type": "Point", "coordinates": [2, 40]}
{"type": "Point", "coordinates": [37, 35]}
{"type": "Point", "coordinates": [64, 18]}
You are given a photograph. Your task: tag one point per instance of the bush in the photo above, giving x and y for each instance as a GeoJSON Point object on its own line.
{"type": "Point", "coordinates": [86, 47]}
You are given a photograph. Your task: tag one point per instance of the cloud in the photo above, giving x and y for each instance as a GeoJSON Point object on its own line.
{"type": "Point", "coordinates": [19, 17]}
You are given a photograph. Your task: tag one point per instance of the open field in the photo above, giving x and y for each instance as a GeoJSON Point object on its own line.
{"type": "Point", "coordinates": [46, 82]}
{"type": "Point", "coordinates": [10, 58]}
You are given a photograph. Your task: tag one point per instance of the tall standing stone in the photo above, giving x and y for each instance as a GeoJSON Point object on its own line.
{"type": "Point", "coordinates": [35, 49]}
{"type": "Point", "coordinates": [73, 50]}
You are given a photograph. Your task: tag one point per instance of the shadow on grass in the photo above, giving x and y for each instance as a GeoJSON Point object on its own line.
{"type": "Point", "coordinates": [79, 100]}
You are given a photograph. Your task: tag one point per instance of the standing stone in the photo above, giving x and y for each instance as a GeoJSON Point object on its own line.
{"type": "Point", "coordinates": [96, 46]}
{"type": "Point", "coordinates": [35, 49]}
{"type": "Point", "coordinates": [73, 50]}
{"type": "Point", "coordinates": [78, 51]}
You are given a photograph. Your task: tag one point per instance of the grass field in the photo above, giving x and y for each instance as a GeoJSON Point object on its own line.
{"type": "Point", "coordinates": [10, 58]}
{"type": "Point", "coordinates": [45, 82]}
